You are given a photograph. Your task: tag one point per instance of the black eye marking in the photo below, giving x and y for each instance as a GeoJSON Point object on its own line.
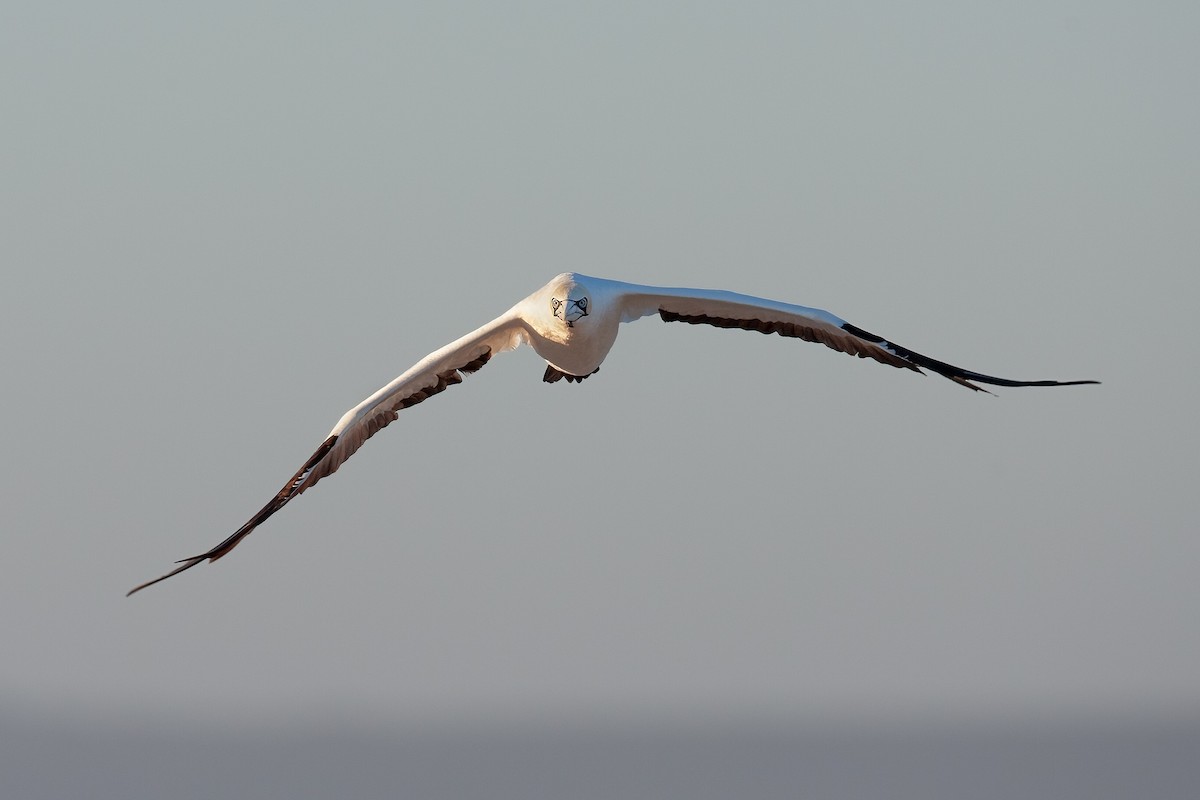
{"type": "Point", "coordinates": [569, 310]}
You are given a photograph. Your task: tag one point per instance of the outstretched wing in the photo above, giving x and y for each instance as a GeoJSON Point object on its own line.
{"type": "Point", "coordinates": [434, 373]}
{"type": "Point", "coordinates": [731, 310]}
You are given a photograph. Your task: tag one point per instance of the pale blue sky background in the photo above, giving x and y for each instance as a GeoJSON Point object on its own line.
{"type": "Point", "coordinates": [224, 224]}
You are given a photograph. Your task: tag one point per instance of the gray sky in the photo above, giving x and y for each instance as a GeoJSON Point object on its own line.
{"type": "Point", "coordinates": [224, 224]}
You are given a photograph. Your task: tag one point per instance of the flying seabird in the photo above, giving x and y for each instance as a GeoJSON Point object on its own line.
{"type": "Point", "coordinates": [572, 323]}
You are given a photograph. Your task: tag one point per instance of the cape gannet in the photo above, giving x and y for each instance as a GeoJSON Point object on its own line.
{"type": "Point", "coordinates": [572, 323]}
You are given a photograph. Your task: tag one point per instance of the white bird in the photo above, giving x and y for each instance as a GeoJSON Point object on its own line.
{"type": "Point", "coordinates": [572, 322]}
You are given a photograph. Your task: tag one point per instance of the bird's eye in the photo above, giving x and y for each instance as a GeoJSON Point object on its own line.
{"type": "Point", "coordinates": [555, 303]}
{"type": "Point", "coordinates": [582, 303]}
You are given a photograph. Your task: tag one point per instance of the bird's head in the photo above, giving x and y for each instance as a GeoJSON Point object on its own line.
{"type": "Point", "coordinates": [571, 306]}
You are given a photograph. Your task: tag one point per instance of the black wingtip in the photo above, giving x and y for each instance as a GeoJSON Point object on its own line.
{"type": "Point", "coordinates": [963, 377]}
{"type": "Point", "coordinates": [188, 563]}
{"type": "Point", "coordinates": [289, 490]}
{"type": "Point", "coordinates": [1019, 384]}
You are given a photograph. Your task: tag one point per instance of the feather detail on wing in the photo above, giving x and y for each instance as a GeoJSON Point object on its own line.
{"type": "Point", "coordinates": [730, 310]}
{"type": "Point", "coordinates": [433, 374]}
{"type": "Point", "coordinates": [811, 331]}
